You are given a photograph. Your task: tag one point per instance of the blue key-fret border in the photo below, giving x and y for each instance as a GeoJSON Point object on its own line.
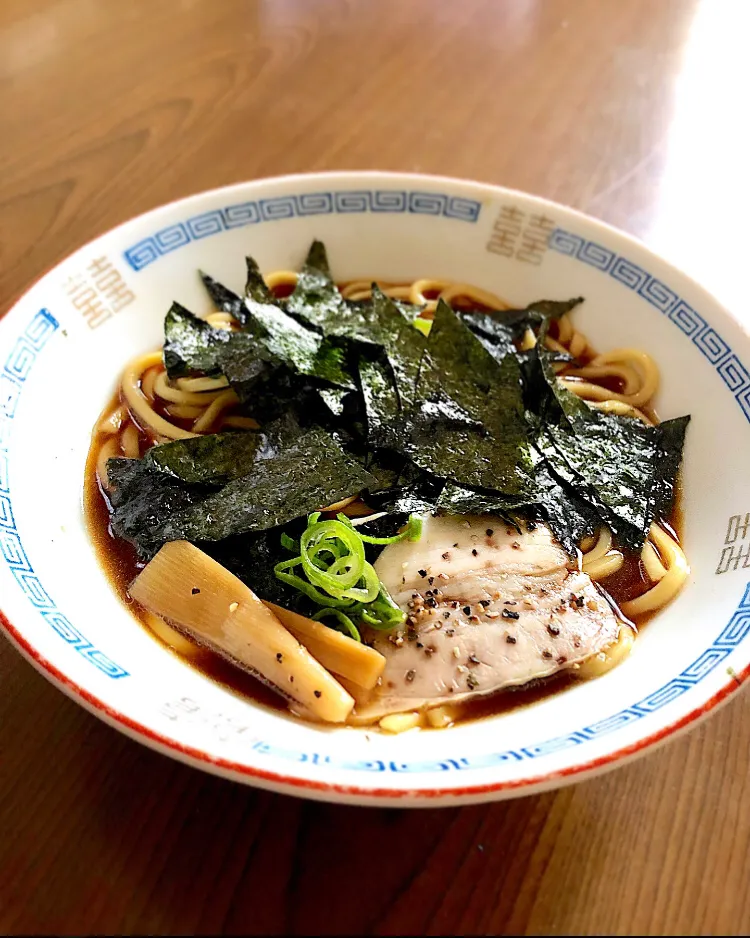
{"type": "Point", "coordinates": [254, 212]}
{"type": "Point", "coordinates": [16, 370]}
{"type": "Point", "coordinates": [711, 345]}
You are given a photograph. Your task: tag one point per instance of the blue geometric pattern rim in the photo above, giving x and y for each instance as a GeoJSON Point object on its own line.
{"type": "Point", "coordinates": [710, 344]}
{"type": "Point", "coordinates": [690, 323]}
{"type": "Point", "coordinates": [12, 378]}
{"type": "Point", "coordinates": [350, 201]}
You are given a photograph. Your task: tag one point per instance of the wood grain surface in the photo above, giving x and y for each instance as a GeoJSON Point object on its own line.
{"type": "Point", "coordinates": [632, 110]}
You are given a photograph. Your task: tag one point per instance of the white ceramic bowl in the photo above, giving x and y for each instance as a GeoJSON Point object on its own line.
{"type": "Point", "coordinates": [64, 343]}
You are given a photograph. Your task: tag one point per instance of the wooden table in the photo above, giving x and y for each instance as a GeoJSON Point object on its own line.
{"type": "Point", "coordinates": [632, 110]}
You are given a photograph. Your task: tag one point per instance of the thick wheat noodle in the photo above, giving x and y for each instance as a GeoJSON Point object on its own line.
{"type": "Point", "coordinates": [204, 407]}
{"type": "Point", "coordinates": [417, 288]}
{"type": "Point", "coordinates": [148, 382]}
{"type": "Point", "coordinates": [113, 421]}
{"type": "Point", "coordinates": [281, 278]}
{"type": "Point", "coordinates": [558, 344]}
{"type": "Point", "coordinates": [599, 547]}
{"type": "Point", "coordinates": [170, 636]}
{"type": "Point", "coordinates": [599, 560]}
{"type": "Point", "coordinates": [634, 366]}
{"type": "Point", "coordinates": [575, 342]}
{"type": "Point", "coordinates": [177, 396]}
{"type": "Point", "coordinates": [224, 401]}
{"type": "Point", "coordinates": [396, 292]}
{"type": "Point", "coordinates": [129, 442]}
{"type": "Point", "coordinates": [566, 331]}
{"type": "Point", "coordinates": [139, 404]}
{"type": "Point", "coordinates": [145, 381]}
{"type": "Point", "coordinates": [357, 289]}
{"type": "Point", "coordinates": [605, 566]}
{"type": "Point", "coordinates": [415, 293]}
{"type": "Point", "coordinates": [528, 341]}
{"type": "Point", "coordinates": [663, 559]}
{"type": "Point", "coordinates": [549, 342]}
{"type": "Point", "coordinates": [675, 563]}
{"type": "Point", "coordinates": [632, 381]}
{"type": "Point", "coordinates": [339, 506]}
{"type": "Point", "coordinates": [456, 291]}
{"type": "Point", "coordinates": [362, 290]}
{"type": "Point", "coordinates": [221, 320]}
{"type": "Point", "coordinates": [202, 384]}
{"type": "Point", "coordinates": [578, 345]}
{"type": "Point", "coordinates": [358, 294]}
{"type": "Point", "coordinates": [588, 542]}
{"type": "Point", "coordinates": [654, 567]}
{"type": "Point", "coordinates": [447, 290]}
{"type": "Point", "coordinates": [184, 411]}
{"type": "Point", "coordinates": [621, 409]}
{"type": "Point", "coordinates": [242, 423]}
{"type": "Point", "coordinates": [613, 655]}
{"type": "Point", "coordinates": [642, 365]}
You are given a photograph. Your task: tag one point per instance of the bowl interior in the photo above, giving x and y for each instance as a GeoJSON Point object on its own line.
{"type": "Point", "coordinates": [64, 344]}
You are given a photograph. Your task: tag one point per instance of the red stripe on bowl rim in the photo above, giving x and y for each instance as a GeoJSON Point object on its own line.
{"type": "Point", "coordinates": [423, 797]}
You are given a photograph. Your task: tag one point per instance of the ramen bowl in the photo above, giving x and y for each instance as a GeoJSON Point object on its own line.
{"type": "Point", "coordinates": [64, 344]}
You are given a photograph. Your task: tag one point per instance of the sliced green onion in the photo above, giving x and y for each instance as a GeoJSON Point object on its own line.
{"type": "Point", "coordinates": [345, 623]}
{"type": "Point", "coordinates": [322, 599]}
{"type": "Point", "coordinates": [383, 613]}
{"type": "Point", "coordinates": [289, 543]}
{"type": "Point", "coordinates": [422, 325]}
{"type": "Point", "coordinates": [331, 569]}
{"type": "Point", "coordinates": [412, 531]}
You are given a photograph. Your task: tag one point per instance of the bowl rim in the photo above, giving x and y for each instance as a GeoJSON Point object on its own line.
{"type": "Point", "coordinates": [368, 795]}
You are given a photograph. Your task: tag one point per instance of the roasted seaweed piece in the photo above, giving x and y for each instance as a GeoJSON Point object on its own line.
{"type": "Point", "coordinates": [500, 330]}
{"type": "Point", "coordinates": [403, 344]}
{"type": "Point", "coordinates": [613, 464]}
{"type": "Point", "coordinates": [141, 497]}
{"type": "Point", "coordinates": [303, 351]}
{"type": "Point", "coordinates": [621, 467]}
{"type": "Point", "coordinates": [305, 476]}
{"type": "Point", "coordinates": [316, 300]}
{"type": "Point", "coordinates": [485, 442]}
{"type": "Point", "coordinates": [217, 458]}
{"type": "Point", "coordinates": [668, 461]}
{"type": "Point", "coordinates": [193, 347]}
{"type": "Point", "coordinates": [222, 297]}
{"type": "Point", "coordinates": [227, 301]}
{"type": "Point", "coordinates": [256, 289]}
{"type": "Point", "coordinates": [272, 361]}
{"type": "Point", "coordinates": [284, 483]}
{"type": "Point", "coordinates": [380, 396]}
{"type": "Point", "coordinates": [252, 557]}
{"type": "Point", "coordinates": [208, 460]}
{"type": "Point", "coordinates": [413, 492]}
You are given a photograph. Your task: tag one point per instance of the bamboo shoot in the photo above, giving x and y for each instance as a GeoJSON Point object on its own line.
{"type": "Point", "coordinates": [207, 602]}
{"type": "Point", "coordinates": [356, 662]}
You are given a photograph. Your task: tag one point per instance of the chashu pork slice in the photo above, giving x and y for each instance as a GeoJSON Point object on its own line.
{"type": "Point", "coordinates": [489, 608]}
